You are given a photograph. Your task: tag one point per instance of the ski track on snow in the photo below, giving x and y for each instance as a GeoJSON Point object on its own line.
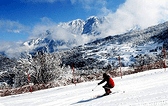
{"type": "Point", "coordinates": [147, 88]}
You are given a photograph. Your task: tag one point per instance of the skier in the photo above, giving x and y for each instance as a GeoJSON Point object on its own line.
{"type": "Point", "coordinates": [110, 83]}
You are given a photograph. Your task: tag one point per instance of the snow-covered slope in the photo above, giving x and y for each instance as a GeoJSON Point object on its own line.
{"type": "Point", "coordinates": [141, 89]}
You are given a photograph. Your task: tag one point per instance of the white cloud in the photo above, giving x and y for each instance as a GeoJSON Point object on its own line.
{"type": "Point", "coordinates": [73, 1]}
{"type": "Point", "coordinates": [58, 31]}
{"type": "Point", "coordinates": [41, 27]}
{"type": "Point", "coordinates": [143, 13]}
{"type": "Point", "coordinates": [90, 4]}
{"type": "Point", "coordinates": [13, 31]}
{"type": "Point", "coordinates": [12, 49]}
{"type": "Point", "coordinates": [12, 26]}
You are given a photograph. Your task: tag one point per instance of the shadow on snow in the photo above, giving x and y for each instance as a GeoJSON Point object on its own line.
{"type": "Point", "coordinates": [88, 100]}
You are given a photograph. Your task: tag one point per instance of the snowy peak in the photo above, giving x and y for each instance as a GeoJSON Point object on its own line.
{"type": "Point", "coordinates": [80, 27]}
{"type": "Point", "coordinates": [76, 26]}
{"type": "Point", "coordinates": [91, 26]}
{"type": "Point", "coordinates": [47, 44]}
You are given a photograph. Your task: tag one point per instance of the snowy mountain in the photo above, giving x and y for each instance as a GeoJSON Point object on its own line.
{"type": "Point", "coordinates": [136, 48]}
{"type": "Point", "coordinates": [88, 27]}
{"type": "Point", "coordinates": [75, 26]}
{"type": "Point", "coordinates": [91, 26]}
{"type": "Point", "coordinates": [51, 42]}
{"type": "Point", "coordinates": [103, 52]}
{"type": "Point", "coordinates": [47, 44]}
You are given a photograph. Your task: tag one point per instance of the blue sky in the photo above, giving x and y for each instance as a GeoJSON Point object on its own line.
{"type": "Point", "coordinates": [18, 17]}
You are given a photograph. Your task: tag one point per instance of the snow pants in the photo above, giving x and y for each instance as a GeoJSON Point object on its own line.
{"type": "Point", "coordinates": [107, 88]}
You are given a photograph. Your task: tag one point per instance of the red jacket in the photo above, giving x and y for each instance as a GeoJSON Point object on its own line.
{"type": "Point", "coordinates": [109, 81]}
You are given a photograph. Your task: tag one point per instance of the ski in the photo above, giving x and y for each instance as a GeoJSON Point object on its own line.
{"type": "Point", "coordinates": [98, 96]}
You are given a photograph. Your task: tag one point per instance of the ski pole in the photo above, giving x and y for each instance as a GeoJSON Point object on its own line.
{"type": "Point", "coordinates": [94, 88]}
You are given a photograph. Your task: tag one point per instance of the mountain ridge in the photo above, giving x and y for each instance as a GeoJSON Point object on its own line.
{"type": "Point", "coordinates": [131, 46]}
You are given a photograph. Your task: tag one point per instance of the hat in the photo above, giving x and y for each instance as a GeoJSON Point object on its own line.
{"type": "Point", "coordinates": [105, 75]}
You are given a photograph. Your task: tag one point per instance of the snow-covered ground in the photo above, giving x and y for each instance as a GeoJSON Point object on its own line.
{"type": "Point", "coordinates": [148, 88]}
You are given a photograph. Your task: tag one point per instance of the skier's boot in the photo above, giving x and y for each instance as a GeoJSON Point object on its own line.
{"type": "Point", "coordinates": [107, 92]}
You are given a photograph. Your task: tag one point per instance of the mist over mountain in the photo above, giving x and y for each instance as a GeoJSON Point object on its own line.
{"type": "Point", "coordinates": [66, 35]}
